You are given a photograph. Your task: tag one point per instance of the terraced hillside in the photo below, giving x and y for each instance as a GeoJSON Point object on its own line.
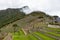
{"type": "Point", "coordinates": [33, 26]}
{"type": "Point", "coordinates": [41, 35]}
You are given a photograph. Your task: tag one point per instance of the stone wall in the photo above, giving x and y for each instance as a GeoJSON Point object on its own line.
{"type": "Point", "coordinates": [53, 26]}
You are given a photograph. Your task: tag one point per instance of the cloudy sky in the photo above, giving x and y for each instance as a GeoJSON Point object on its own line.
{"type": "Point", "coordinates": [51, 7]}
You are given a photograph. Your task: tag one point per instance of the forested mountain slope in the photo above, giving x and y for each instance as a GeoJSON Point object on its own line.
{"type": "Point", "coordinates": [9, 15]}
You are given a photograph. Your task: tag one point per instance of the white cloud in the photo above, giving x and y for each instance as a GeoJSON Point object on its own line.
{"type": "Point", "coordinates": [54, 13]}
{"type": "Point", "coordinates": [51, 7]}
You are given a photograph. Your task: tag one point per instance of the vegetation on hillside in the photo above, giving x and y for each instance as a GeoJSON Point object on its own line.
{"type": "Point", "coordinates": [33, 26]}
{"type": "Point", "coordinates": [10, 15]}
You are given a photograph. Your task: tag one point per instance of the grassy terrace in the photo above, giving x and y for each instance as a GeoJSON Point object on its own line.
{"type": "Point", "coordinates": [54, 34]}
{"type": "Point", "coordinates": [24, 37]}
{"type": "Point", "coordinates": [37, 35]}
{"type": "Point", "coordinates": [20, 36]}
{"type": "Point", "coordinates": [54, 31]}
{"type": "Point", "coordinates": [44, 37]}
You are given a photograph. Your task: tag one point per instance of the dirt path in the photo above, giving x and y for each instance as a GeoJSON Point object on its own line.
{"type": "Point", "coordinates": [8, 37]}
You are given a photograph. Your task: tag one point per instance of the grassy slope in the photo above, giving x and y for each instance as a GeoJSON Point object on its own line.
{"type": "Point", "coordinates": [54, 31]}
{"type": "Point", "coordinates": [44, 37]}
{"type": "Point", "coordinates": [20, 36]}
{"type": "Point", "coordinates": [55, 34]}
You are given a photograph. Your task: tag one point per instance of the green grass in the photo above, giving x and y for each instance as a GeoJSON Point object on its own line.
{"type": "Point", "coordinates": [54, 34]}
{"type": "Point", "coordinates": [24, 37]}
{"type": "Point", "coordinates": [44, 37]}
{"type": "Point", "coordinates": [31, 37]}
{"type": "Point", "coordinates": [53, 29]}
{"type": "Point", "coordinates": [20, 36]}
